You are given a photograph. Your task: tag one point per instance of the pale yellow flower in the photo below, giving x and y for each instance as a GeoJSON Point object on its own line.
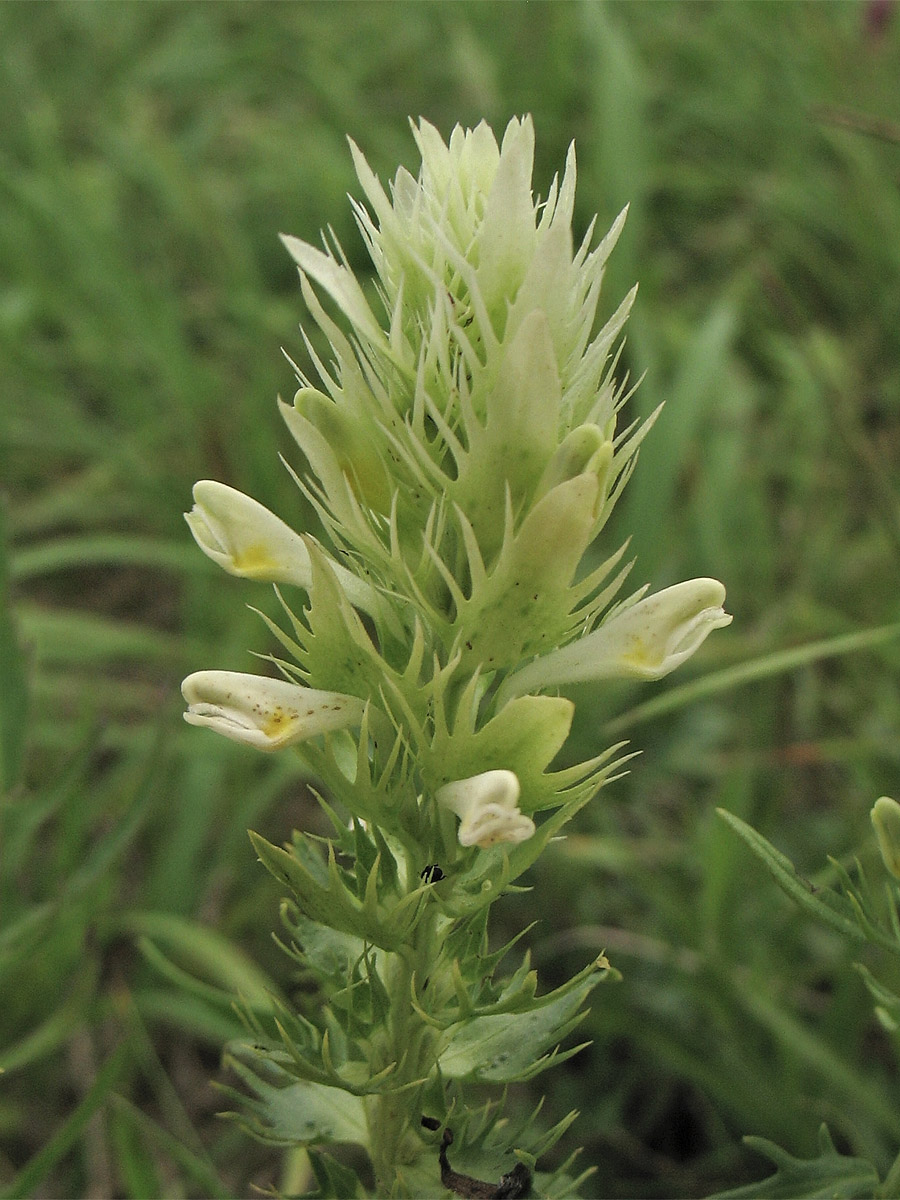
{"type": "Point", "coordinates": [265, 713]}
{"type": "Point", "coordinates": [488, 808]}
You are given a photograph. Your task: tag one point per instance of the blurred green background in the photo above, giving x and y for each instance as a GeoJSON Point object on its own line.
{"type": "Point", "coordinates": [149, 155]}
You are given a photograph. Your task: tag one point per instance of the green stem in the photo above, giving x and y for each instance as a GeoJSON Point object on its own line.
{"type": "Point", "coordinates": [408, 1041]}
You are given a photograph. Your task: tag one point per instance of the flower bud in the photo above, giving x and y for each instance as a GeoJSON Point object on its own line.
{"type": "Point", "coordinates": [886, 819]}
{"type": "Point", "coordinates": [353, 444]}
{"type": "Point", "coordinates": [647, 640]}
{"type": "Point", "coordinates": [265, 713]}
{"type": "Point", "coordinates": [585, 450]}
{"type": "Point", "coordinates": [244, 538]}
{"type": "Point", "coordinates": [487, 806]}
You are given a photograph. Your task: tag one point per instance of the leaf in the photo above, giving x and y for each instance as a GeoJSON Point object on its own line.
{"type": "Point", "coordinates": [66, 1136]}
{"type": "Point", "coordinates": [887, 1001]}
{"type": "Point", "coordinates": [766, 667]}
{"type": "Point", "coordinates": [529, 731]}
{"type": "Point", "coordinates": [328, 953]}
{"type": "Point", "coordinates": [62, 554]}
{"type": "Point", "coordinates": [831, 1176]}
{"type": "Point", "coordinates": [828, 906]}
{"type": "Point", "coordinates": [134, 1161]}
{"type": "Point", "coordinates": [300, 1113]}
{"type": "Point", "coordinates": [55, 1031]}
{"type": "Point", "coordinates": [325, 895]}
{"type": "Point", "coordinates": [509, 1046]}
{"type": "Point", "coordinates": [649, 502]}
{"type": "Point", "coordinates": [205, 952]}
{"type": "Point", "coordinates": [147, 1133]}
{"type": "Point", "coordinates": [335, 1181]}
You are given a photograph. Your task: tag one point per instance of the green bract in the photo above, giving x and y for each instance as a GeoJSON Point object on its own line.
{"type": "Point", "coordinates": [461, 448]}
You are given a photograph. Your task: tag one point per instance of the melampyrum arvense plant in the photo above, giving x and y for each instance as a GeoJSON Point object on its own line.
{"type": "Point", "coordinates": [462, 451]}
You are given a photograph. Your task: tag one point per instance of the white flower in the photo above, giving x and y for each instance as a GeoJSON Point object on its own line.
{"type": "Point", "coordinates": [487, 806]}
{"type": "Point", "coordinates": [265, 713]}
{"type": "Point", "coordinates": [248, 540]}
{"type": "Point", "coordinates": [645, 641]}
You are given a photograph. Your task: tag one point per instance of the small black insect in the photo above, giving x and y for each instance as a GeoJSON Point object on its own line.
{"type": "Point", "coordinates": [432, 874]}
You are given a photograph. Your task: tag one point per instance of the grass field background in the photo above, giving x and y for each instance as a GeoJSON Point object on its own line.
{"type": "Point", "coordinates": [149, 155]}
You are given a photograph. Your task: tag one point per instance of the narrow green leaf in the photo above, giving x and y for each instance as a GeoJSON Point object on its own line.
{"type": "Point", "coordinates": [882, 995]}
{"type": "Point", "coordinates": [197, 1169]}
{"type": "Point", "coordinates": [188, 1014]}
{"type": "Point", "coordinates": [134, 1163]}
{"type": "Point", "coordinates": [13, 684]}
{"type": "Point", "coordinates": [38, 1167]}
{"type": "Point", "coordinates": [110, 549]}
{"type": "Point", "coordinates": [865, 1094]}
{"type": "Point", "coordinates": [828, 906]}
{"type": "Point", "coordinates": [765, 667]}
{"type": "Point", "coordinates": [205, 951]}
{"type": "Point", "coordinates": [650, 498]}
{"type": "Point", "coordinates": [74, 637]}
{"type": "Point", "coordinates": [52, 1033]}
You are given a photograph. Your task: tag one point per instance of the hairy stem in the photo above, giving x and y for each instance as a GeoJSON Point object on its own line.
{"type": "Point", "coordinates": [410, 1042]}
